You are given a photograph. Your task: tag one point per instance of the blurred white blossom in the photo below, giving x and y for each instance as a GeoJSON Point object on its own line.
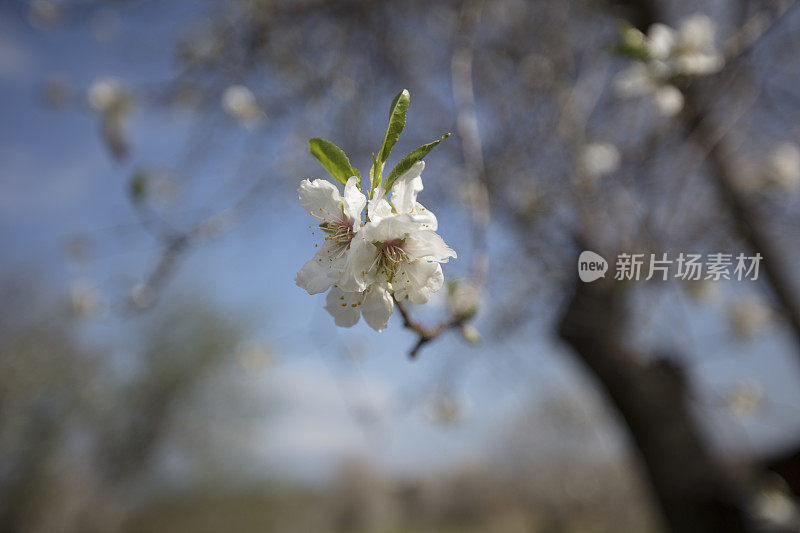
{"type": "Point", "coordinates": [463, 298]}
{"type": "Point", "coordinates": [774, 504]}
{"type": "Point", "coordinates": [599, 158]}
{"type": "Point", "coordinates": [782, 170]}
{"type": "Point", "coordinates": [471, 334]}
{"type": "Point", "coordinates": [108, 98]}
{"type": "Point", "coordinates": [665, 55]}
{"type": "Point", "coordinates": [690, 50]}
{"type": "Point", "coordinates": [240, 103]}
{"type": "Point", "coordinates": [649, 80]}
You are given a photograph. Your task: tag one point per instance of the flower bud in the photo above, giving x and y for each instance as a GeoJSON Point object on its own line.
{"type": "Point", "coordinates": [471, 334]}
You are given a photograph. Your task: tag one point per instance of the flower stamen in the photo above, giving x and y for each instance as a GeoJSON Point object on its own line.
{"type": "Point", "coordinates": [339, 234]}
{"type": "Point", "coordinates": [390, 255]}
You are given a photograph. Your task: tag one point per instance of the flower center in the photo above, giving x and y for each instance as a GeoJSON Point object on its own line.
{"type": "Point", "coordinates": [390, 254]}
{"type": "Point", "coordinates": [339, 234]}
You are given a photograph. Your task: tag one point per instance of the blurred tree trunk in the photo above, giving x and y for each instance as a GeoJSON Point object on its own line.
{"type": "Point", "coordinates": [691, 487]}
{"type": "Point", "coordinates": [748, 221]}
{"type": "Point", "coordinates": [693, 490]}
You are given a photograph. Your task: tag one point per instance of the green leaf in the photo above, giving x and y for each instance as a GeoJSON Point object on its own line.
{"type": "Point", "coordinates": [333, 159]}
{"type": "Point", "coordinates": [375, 174]}
{"type": "Point", "coordinates": [409, 160]}
{"type": "Point", "coordinates": [397, 121]}
{"type": "Point", "coordinates": [632, 43]}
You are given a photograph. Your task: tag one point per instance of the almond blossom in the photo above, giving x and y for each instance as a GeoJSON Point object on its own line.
{"type": "Point", "coordinates": [650, 80]}
{"type": "Point", "coordinates": [339, 220]}
{"type": "Point", "coordinates": [396, 250]}
{"type": "Point", "coordinates": [394, 254]}
{"type": "Point", "coordinates": [375, 303]}
{"type": "Point", "coordinates": [666, 55]}
{"type": "Point", "coordinates": [688, 50]}
{"type": "Point", "coordinates": [240, 103]}
{"type": "Point", "coordinates": [373, 298]}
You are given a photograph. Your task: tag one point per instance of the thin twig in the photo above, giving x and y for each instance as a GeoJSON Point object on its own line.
{"type": "Point", "coordinates": [426, 334]}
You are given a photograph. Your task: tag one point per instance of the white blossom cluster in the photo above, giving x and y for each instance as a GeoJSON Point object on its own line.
{"type": "Point", "coordinates": [380, 244]}
{"type": "Point", "coordinates": [666, 55]}
{"type": "Point", "coordinates": [395, 252]}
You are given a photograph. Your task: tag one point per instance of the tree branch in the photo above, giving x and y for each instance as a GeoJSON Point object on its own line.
{"type": "Point", "coordinates": [427, 334]}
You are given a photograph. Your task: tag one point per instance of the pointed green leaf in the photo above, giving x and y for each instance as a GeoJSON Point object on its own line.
{"type": "Point", "coordinates": [397, 121]}
{"type": "Point", "coordinates": [333, 159]}
{"type": "Point", "coordinates": [375, 174]}
{"type": "Point", "coordinates": [409, 160]}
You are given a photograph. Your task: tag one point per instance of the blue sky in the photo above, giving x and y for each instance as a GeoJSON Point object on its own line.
{"type": "Point", "coordinates": [57, 181]}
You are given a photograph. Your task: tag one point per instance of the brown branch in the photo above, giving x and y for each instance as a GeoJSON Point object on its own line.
{"type": "Point", "coordinates": [427, 334]}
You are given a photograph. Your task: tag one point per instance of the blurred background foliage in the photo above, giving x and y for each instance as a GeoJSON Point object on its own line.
{"type": "Point", "coordinates": [154, 349]}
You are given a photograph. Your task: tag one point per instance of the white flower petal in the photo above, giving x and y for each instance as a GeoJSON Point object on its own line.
{"type": "Point", "coordinates": [240, 103]}
{"type": "Point", "coordinates": [377, 307]}
{"type": "Point", "coordinates": [428, 245]}
{"type": "Point", "coordinates": [378, 207]}
{"type": "Point", "coordinates": [783, 167]}
{"type": "Point", "coordinates": [699, 64]}
{"type": "Point", "coordinates": [661, 41]}
{"type": "Point", "coordinates": [407, 187]}
{"type": "Point", "coordinates": [343, 307]}
{"type": "Point", "coordinates": [313, 277]}
{"type": "Point", "coordinates": [669, 100]}
{"type": "Point", "coordinates": [599, 158]}
{"type": "Point", "coordinates": [354, 200]}
{"type": "Point", "coordinates": [390, 228]}
{"type": "Point", "coordinates": [424, 217]}
{"type": "Point", "coordinates": [359, 269]}
{"type": "Point", "coordinates": [697, 33]}
{"type": "Point", "coordinates": [321, 199]}
{"type": "Point", "coordinates": [417, 280]}
{"type": "Point", "coordinates": [321, 271]}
